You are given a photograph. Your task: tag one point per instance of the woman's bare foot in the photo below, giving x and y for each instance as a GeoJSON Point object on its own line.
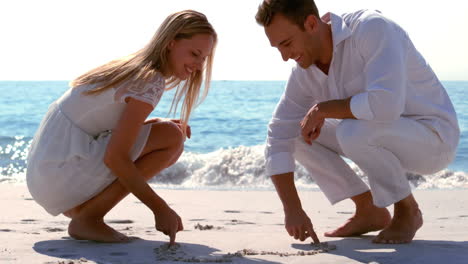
{"type": "Point", "coordinates": [406, 221]}
{"type": "Point", "coordinates": [96, 230]}
{"type": "Point", "coordinates": [362, 222]}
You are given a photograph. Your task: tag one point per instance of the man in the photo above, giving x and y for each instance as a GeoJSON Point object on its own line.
{"type": "Point", "coordinates": [360, 90]}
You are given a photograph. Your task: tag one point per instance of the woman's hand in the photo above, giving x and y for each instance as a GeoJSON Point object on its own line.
{"type": "Point", "coordinates": [168, 222]}
{"type": "Point", "coordinates": [153, 120]}
{"type": "Point", "coordinates": [188, 131]}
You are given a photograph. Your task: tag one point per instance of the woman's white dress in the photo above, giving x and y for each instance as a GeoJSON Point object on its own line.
{"type": "Point", "coordinates": [65, 161]}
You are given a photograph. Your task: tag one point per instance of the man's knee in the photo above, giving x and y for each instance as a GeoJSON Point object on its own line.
{"type": "Point", "coordinates": [351, 133]}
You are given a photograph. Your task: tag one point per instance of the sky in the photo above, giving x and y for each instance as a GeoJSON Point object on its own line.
{"type": "Point", "coordinates": [59, 40]}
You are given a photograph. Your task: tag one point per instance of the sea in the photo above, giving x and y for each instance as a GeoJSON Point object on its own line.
{"type": "Point", "coordinates": [225, 151]}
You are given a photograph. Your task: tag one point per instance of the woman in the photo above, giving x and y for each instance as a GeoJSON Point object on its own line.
{"type": "Point", "coordinates": [94, 145]}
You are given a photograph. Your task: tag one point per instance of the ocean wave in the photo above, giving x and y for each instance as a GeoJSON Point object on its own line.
{"type": "Point", "coordinates": [239, 168]}
{"type": "Point", "coordinates": [244, 168]}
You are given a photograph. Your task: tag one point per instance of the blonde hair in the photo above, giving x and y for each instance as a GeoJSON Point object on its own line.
{"type": "Point", "coordinates": [153, 58]}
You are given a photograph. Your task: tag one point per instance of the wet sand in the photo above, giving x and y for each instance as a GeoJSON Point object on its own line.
{"type": "Point", "coordinates": [229, 227]}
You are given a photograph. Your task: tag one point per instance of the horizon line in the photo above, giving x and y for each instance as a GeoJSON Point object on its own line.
{"type": "Point", "coordinates": [222, 80]}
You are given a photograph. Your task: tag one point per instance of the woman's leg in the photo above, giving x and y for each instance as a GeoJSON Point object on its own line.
{"type": "Point", "coordinates": [164, 146]}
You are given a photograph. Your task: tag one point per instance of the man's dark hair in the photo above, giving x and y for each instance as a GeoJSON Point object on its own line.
{"type": "Point", "coordinates": [294, 10]}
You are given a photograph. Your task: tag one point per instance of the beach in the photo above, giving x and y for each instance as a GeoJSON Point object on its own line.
{"type": "Point", "coordinates": [230, 210]}
{"type": "Point", "coordinates": [229, 226]}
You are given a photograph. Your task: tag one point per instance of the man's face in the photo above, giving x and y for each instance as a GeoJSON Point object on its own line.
{"type": "Point", "coordinates": [292, 41]}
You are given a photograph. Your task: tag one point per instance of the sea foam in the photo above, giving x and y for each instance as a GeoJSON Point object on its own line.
{"type": "Point", "coordinates": [239, 168]}
{"type": "Point", "coordinates": [244, 168]}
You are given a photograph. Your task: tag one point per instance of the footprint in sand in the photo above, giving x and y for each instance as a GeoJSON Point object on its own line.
{"type": "Point", "coordinates": [120, 221]}
{"type": "Point", "coordinates": [28, 220]}
{"type": "Point", "coordinates": [232, 211]}
{"type": "Point", "coordinates": [266, 212]}
{"type": "Point", "coordinates": [51, 229]}
{"type": "Point", "coordinates": [196, 220]}
{"type": "Point", "coordinates": [239, 222]}
{"type": "Point", "coordinates": [6, 230]}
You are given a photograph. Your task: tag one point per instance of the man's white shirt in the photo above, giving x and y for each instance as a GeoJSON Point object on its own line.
{"type": "Point", "coordinates": [376, 64]}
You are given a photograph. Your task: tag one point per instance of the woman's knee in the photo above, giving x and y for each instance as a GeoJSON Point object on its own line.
{"type": "Point", "coordinates": [164, 135]}
{"type": "Point", "coordinates": [176, 155]}
{"type": "Point", "coordinates": [169, 134]}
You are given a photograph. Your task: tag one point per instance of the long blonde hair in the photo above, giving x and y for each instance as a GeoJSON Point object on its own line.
{"type": "Point", "coordinates": [153, 58]}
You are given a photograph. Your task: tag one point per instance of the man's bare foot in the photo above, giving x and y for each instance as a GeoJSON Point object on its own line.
{"type": "Point", "coordinates": [96, 230]}
{"type": "Point", "coordinates": [402, 229]}
{"type": "Point", "coordinates": [363, 222]}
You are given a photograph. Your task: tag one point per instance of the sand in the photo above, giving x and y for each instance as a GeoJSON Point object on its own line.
{"type": "Point", "coordinates": [229, 227]}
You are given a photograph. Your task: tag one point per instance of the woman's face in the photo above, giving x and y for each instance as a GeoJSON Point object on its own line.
{"type": "Point", "coordinates": [188, 55]}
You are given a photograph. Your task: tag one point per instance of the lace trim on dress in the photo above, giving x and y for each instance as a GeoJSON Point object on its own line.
{"type": "Point", "coordinates": [149, 91]}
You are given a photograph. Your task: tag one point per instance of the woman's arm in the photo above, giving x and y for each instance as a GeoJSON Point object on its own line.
{"type": "Point", "coordinates": [119, 161]}
{"type": "Point", "coordinates": [117, 157]}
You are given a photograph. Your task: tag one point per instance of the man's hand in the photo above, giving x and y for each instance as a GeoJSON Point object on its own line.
{"type": "Point", "coordinates": [312, 124]}
{"type": "Point", "coordinates": [299, 226]}
{"type": "Point", "coordinates": [296, 222]}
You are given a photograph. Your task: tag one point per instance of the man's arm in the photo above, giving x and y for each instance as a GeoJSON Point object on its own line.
{"type": "Point", "coordinates": [383, 45]}
{"type": "Point", "coordinates": [314, 119]}
{"type": "Point", "coordinates": [297, 223]}
{"type": "Point", "coordinates": [283, 130]}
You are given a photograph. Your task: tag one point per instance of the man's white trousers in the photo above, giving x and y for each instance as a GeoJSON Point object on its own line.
{"type": "Point", "coordinates": [384, 151]}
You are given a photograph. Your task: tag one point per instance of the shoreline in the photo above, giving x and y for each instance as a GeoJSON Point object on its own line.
{"type": "Point", "coordinates": [218, 223]}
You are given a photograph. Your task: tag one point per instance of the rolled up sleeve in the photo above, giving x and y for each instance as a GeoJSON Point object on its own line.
{"type": "Point", "coordinates": [384, 47]}
{"type": "Point", "coordinates": [284, 128]}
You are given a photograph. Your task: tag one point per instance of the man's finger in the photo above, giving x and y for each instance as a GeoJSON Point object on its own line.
{"type": "Point", "coordinates": [297, 233]}
{"type": "Point", "coordinates": [303, 235]}
{"type": "Point", "coordinates": [308, 138]}
{"type": "Point", "coordinates": [312, 234]}
{"type": "Point", "coordinates": [316, 134]}
{"type": "Point", "coordinates": [314, 237]}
